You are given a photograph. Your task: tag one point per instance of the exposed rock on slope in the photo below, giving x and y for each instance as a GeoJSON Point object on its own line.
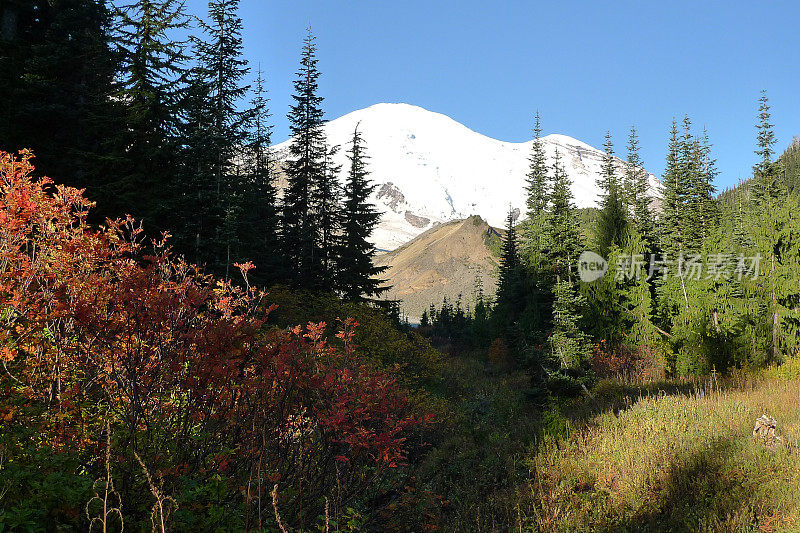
{"type": "Point", "coordinates": [443, 261]}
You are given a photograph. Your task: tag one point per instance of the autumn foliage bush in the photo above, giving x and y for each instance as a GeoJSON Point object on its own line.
{"type": "Point", "coordinates": [109, 345]}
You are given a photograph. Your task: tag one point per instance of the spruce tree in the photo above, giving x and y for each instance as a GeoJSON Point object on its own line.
{"type": "Point", "coordinates": [357, 274]}
{"type": "Point", "coordinates": [305, 167]}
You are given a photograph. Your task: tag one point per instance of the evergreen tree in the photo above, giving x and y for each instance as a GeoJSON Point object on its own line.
{"type": "Point", "coordinates": [223, 69]}
{"type": "Point", "coordinates": [613, 220]}
{"type": "Point", "coordinates": [152, 76]}
{"type": "Point", "coordinates": [689, 170]}
{"type": "Point", "coordinates": [568, 344]}
{"type": "Point", "coordinates": [608, 179]}
{"type": "Point", "coordinates": [704, 204]}
{"type": "Point", "coordinates": [356, 271]}
{"type": "Point", "coordinates": [260, 217]}
{"type": "Point", "coordinates": [638, 185]}
{"type": "Point", "coordinates": [671, 222]}
{"type": "Point", "coordinates": [766, 195]}
{"type": "Point", "coordinates": [566, 237]}
{"type": "Point", "coordinates": [57, 79]}
{"type": "Point", "coordinates": [535, 230]}
{"type": "Point", "coordinates": [326, 208]}
{"type": "Point", "coordinates": [508, 282]}
{"type": "Point", "coordinates": [304, 169]}
{"type": "Point", "coordinates": [766, 173]}
{"type": "Point", "coordinates": [197, 214]}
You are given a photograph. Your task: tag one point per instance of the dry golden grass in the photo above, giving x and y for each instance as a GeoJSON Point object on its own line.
{"type": "Point", "coordinates": [680, 461]}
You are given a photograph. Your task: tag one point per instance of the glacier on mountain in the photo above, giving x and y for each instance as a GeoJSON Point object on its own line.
{"type": "Point", "coordinates": [430, 169]}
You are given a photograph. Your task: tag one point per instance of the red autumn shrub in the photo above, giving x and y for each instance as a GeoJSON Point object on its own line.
{"type": "Point", "coordinates": [95, 327]}
{"type": "Point", "coordinates": [642, 362]}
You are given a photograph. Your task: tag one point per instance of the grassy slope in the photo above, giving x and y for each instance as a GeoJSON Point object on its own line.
{"type": "Point", "coordinates": [673, 461]}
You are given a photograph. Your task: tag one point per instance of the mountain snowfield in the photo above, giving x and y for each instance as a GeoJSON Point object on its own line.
{"type": "Point", "coordinates": [430, 169]}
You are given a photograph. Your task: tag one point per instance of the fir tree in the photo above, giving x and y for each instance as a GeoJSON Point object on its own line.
{"type": "Point", "coordinates": [766, 174]}
{"type": "Point", "coordinates": [152, 77]}
{"type": "Point", "coordinates": [306, 166]}
{"type": "Point", "coordinates": [638, 185]}
{"type": "Point", "coordinates": [260, 218]}
{"type": "Point", "coordinates": [705, 205]}
{"type": "Point", "coordinates": [535, 232]}
{"type": "Point", "coordinates": [356, 271]}
{"type": "Point", "coordinates": [613, 220]}
{"type": "Point", "coordinates": [566, 236]}
{"type": "Point", "coordinates": [197, 214]}
{"type": "Point", "coordinates": [223, 69]}
{"type": "Point", "coordinates": [507, 285]}
{"type": "Point", "coordinates": [608, 179]}
{"type": "Point", "coordinates": [671, 222]}
{"type": "Point", "coordinates": [326, 208]}
{"type": "Point", "coordinates": [766, 194]}
{"type": "Point", "coordinates": [689, 170]}
{"type": "Point", "coordinates": [568, 344]}
{"type": "Point", "coordinates": [57, 82]}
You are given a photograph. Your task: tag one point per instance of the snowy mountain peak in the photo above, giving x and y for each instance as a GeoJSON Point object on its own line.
{"type": "Point", "coordinates": [430, 169]}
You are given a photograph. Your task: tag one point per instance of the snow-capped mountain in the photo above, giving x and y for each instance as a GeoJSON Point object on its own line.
{"type": "Point", "coordinates": [430, 169]}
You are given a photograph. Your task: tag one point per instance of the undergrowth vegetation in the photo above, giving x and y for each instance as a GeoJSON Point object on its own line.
{"type": "Point", "coordinates": [671, 458]}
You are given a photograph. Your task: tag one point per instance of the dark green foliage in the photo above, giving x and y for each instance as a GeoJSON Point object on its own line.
{"type": "Point", "coordinates": [260, 220]}
{"type": "Point", "coordinates": [671, 220]}
{"type": "Point", "coordinates": [224, 187]}
{"type": "Point", "coordinates": [637, 185]}
{"type": "Point", "coordinates": [767, 184]}
{"type": "Point", "coordinates": [535, 235]}
{"type": "Point", "coordinates": [326, 207]}
{"type": "Point", "coordinates": [57, 69]}
{"type": "Point", "coordinates": [566, 237]}
{"type": "Point", "coordinates": [509, 264]}
{"type": "Point", "coordinates": [300, 226]}
{"type": "Point", "coordinates": [152, 77]}
{"type": "Point", "coordinates": [356, 273]}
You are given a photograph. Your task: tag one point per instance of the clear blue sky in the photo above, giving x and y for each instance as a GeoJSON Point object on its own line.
{"type": "Point", "coordinates": [586, 66]}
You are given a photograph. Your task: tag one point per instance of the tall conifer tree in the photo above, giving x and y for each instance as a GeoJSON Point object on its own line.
{"type": "Point", "coordinates": [260, 217]}
{"type": "Point", "coordinates": [152, 77]}
{"type": "Point", "coordinates": [638, 186]}
{"type": "Point", "coordinates": [223, 70]}
{"type": "Point", "coordinates": [304, 169]}
{"type": "Point", "coordinates": [766, 174]}
{"type": "Point", "coordinates": [535, 230]}
{"type": "Point", "coordinates": [357, 275]}
{"type": "Point", "coordinates": [670, 227]}
{"type": "Point", "coordinates": [613, 221]}
{"type": "Point", "coordinates": [566, 236]}
{"type": "Point", "coordinates": [57, 81]}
